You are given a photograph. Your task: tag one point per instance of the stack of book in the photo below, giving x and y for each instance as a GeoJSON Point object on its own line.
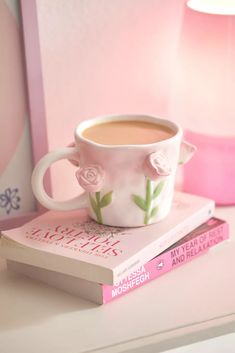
{"type": "Point", "coordinates": [100, 263]}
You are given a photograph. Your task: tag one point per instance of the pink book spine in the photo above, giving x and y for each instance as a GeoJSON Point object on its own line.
{"type": "Point", "coordinates": [193, 245]}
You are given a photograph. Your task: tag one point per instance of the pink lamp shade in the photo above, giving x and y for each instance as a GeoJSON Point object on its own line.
{"type": "Point", "coordinates": [216, 7]}
{"type": "Point", "coordinates": [203, 100]}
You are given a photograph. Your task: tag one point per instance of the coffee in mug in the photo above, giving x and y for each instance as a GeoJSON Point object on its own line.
{"type": "Point", "coordinates": [127, 133]}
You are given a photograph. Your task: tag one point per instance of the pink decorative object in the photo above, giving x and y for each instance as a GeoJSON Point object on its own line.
{"type": "Point", "coordinates": [203, 94]}
{"type": "Point", "coordinates": [91, 177]}
{"type": "Point", "coordinates": [156, 164]}
{"type": "Point", "coordinates": [211, 172]}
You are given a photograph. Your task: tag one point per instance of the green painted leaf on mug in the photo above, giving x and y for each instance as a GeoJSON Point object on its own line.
{"type": "Point", "coordinates": [93, 204]}
{"type": "Point", "coordinates": [140, 202]}
{"type": "Point", "coordinates": [158, 189]}
{"type": "Point", "coordinates": [106, 199]}
{"type": "Point", "coordinates": [154, 212]}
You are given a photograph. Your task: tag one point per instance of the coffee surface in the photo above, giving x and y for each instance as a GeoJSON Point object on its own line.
{"type": "Point", "coordinates": [127, 133]}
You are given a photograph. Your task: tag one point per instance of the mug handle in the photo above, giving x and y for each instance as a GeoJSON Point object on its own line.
{"type": "Point", "coordinates": [38, 187]}
{"type": "Point", "coordinates": [187, 151]}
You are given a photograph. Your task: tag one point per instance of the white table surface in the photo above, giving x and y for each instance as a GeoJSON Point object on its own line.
{"type": "Point", "coordinates": [192, 303]}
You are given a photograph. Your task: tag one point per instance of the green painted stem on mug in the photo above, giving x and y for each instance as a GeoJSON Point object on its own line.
{"type": "Point", "coordinates": [146, 218]}
{"type": "Point", "coordinates": [150, 195]}
{"type": "Point", "coordinates": [97, 195]}
{"type": "Point", "coordinates": [98, 211]}
{"type": "Point", "coordinates": [148, 201]}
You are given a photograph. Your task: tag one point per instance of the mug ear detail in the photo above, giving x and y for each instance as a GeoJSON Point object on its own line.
{"type": "Point", "coordinates": [91, 177]}
{"type": "Point", "coordinates": [187, 151]}
{"type": "Point", "coordinates": [73, 161]}
{"type": "Point", "coordinates": [156, 164]}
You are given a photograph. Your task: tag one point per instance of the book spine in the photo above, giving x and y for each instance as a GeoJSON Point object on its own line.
{"type": "Point", "coordinates": [163, 242]}
{"type": "Point", "coordinates": [167, 261]}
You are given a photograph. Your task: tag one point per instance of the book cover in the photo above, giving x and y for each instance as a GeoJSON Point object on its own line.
{"type": "Point", "coordinates": [73, 244]}
{"type": "Point", "coordinates": [196, 243]}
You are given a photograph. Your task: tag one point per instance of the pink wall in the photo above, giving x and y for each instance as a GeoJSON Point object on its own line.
{"type": "Point", "coordinates": [102, 57]}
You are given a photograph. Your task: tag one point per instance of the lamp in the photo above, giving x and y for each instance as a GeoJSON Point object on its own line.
{"type": "Point", "coordinates": [216, 7]}
{"type": "Point", "coordinates": [203, 96]}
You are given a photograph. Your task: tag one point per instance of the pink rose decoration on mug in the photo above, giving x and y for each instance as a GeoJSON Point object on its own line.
{"type": "Point", "coordinates": [91, 177]}
{"type": "Point", "coordinates": [156, 164]}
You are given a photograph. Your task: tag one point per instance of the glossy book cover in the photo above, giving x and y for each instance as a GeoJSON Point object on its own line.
{"type": "Point", "coordinates": [196, 243]}
{"type": "Point", "coordinates": [71, 243]}
{"type": "Point", "coordinates": [193, 245]}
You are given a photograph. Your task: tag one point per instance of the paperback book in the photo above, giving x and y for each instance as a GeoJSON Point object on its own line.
{"type": "Point", "coordinates": [196, 243]}
{"type": "Point", "coordinates": [73, 244]}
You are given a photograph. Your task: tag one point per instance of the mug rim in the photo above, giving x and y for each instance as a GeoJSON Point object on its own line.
{"type": "Point", "coordinates": [127, 117]}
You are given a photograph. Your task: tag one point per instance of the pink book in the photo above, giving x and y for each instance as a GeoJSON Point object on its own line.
{"type": "Point", "coordinates": [196, 243]}
{"type": "Point", "coordinates": [73, 244]}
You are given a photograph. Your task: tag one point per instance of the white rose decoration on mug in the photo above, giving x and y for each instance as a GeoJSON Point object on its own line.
{"type": "Point", "coordinates": [126, 185]}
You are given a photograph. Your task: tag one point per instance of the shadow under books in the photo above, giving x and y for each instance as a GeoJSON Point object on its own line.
{"type": "Point", "coordinates": [18, 311]}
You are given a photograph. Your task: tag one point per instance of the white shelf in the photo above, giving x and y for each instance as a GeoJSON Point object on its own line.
{"type": "Point", "coordinates": [191, 303]}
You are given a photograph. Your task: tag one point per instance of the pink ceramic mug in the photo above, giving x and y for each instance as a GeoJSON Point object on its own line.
{"type": "Point", "coordinates": [125, 185]}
